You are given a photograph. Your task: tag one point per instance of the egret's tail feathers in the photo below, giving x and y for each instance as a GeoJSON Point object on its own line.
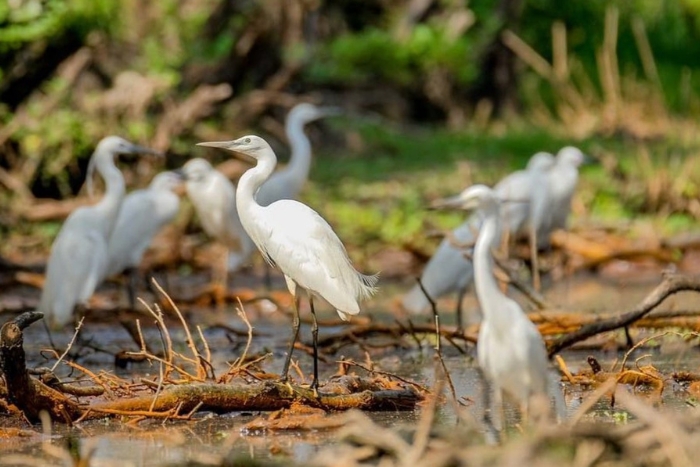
{"type": "Point", "coordinates": [367, 285]}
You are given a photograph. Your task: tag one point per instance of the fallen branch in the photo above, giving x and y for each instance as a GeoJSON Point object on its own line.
{"type": "Point", "coordinates": [671, 284]}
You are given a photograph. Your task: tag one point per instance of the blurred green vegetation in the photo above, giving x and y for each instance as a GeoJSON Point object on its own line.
{"type": "Point", "coordinates": [422, 86]}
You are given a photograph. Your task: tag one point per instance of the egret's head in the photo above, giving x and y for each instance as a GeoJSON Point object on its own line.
{"type": "Point", "coordinates": [169, 180]}
{"type": "Point", "coordinates": [306, 113]}
{"type": "Point", "coordinates": [196, 170]}
{"type": "Point", "coordinates": [541, 161]}
{"type": "Point", "coordinates": [573, 156]}
{"type": "Point", "coordinates": [250, 145]}
{"type": "Point", "coordinates": [475, 197]}
{"type": "Point", "coordinates": [118, 145]}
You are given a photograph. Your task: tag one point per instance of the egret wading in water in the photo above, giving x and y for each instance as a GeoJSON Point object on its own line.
{"type": "Point", "coordinates": [510, 349]}
{"type": "Point", "coordinates": [296, 239]}
{"type": "Point", "coordinates": [143, 213]}
{"type": "Point", "coordinates": [448, 270]}
{"type": "Point", "coordinates": [288, 182]}
{"type": "Point", "coordinates": [214, 198]}
{"type": "Point", "coordinates": [79, 255]}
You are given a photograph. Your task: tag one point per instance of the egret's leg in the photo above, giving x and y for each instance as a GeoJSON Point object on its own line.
{"type": "Point", "coordinates": [314, 336]}
{"type": "Point", "coordinates": [295, 333]}
{"type": "Point", "coordinates": [132, 276]}
{"type": "Point", "coordinates": [460, 319]}
{"type": "Point", "coordinates": [267, 277]}
{"type": "Point", "coordinates": [534, 261]}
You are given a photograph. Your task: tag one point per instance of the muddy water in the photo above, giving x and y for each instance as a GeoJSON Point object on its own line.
{"type": "Point", "coordinates": [208, 438]}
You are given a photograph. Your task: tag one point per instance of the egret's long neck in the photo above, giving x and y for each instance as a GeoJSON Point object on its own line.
{"type": "Point", "coordinates": [115, 190]}
{"type": "Point", "coordinates": [300, 161]}
{"type": "Point", "coordinates": [485, 282]}
{"type": "Point", "coordinates": [249, 183]}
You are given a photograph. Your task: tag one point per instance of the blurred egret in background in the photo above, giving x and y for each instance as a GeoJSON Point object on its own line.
{"type": "Point", "coordinates": [297, 240]}
{"type": "Point", "coordinates": [510, 349]}
{"type": "Point", "coordinates": [448, 270]}
{"type": "Point", "coordinates": [79, 254]}
{"type": "Point", "coordinates": [563, 179]}
{"type": "Point", "coordinates": [143, 213]}
{"type": "Point", "coordinates": [214, 198]}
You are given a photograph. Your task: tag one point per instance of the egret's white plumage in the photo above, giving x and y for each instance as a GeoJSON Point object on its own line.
{"type": "Point", "coordinates": [296, 239]}
{"type": "Point", "coordinates": [563, 179]}
{"type": "Point", "coordinates": [79, 254]}
{"type": "Point", "coordinates": [288, 182]}
{"type": "Point", "coordinates": [214, 198]}
{"type": "Point", "coordinates": [510, 349]}
{"type": "Point", "coordinates": [448, 270]}
{"type": "Point", "coordinates": [142, 214]}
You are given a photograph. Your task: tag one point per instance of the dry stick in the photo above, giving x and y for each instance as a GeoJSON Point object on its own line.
{"type": "Point", "coordinates": [70, 344]}
{"type": "Point", "coordinates": [190, 340]}
{"type": "Point", "coordinates": [385, 373]}
{"type": "Point", "coordinates": [671, 284]}
{"type": "Point", "coordinates": [438, 347]}
{"type": "Point", "coordinates": [638, 345]}
{"type": "Point", "coordinates": [433, 307]}
{"type": "Point", "coordinates": [421, 437]}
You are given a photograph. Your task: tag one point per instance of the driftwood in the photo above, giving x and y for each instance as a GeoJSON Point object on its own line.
{"type": "Point", "coordinates": [671, 284]}
{"type": "Point", "coordinates": [180, 397]}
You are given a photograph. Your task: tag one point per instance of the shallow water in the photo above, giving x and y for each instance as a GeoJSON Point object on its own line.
{"type": "Point", "coordinates": [208, 437]}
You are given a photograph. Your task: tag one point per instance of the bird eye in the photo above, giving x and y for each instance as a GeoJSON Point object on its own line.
{"type": "Point", "coordinates": [247, 140]}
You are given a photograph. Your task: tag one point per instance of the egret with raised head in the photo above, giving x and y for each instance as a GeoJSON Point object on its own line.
{"type": "Point", "coordinates": [296, 239]}
{"type": "Point", "coordinates": [79, 254]}
{"type": "Point", "coordinates": [510, 349]}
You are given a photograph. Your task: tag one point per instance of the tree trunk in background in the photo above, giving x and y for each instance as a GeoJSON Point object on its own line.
{"type": "Point", "coordinates": [498, 80]}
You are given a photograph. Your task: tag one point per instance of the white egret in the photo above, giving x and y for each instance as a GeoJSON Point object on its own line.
{"type": "Point", "coordinates": [448, 270]}
{"type": "Point", "coordinates": [296, 239]}
{"type": "Point", "coordinates": [563, 179]}
{"type": "Point", "coordinates": [143, 213]}
{"type": "Point", "coordinates": [288, 182]}
{"type": "Point", "coordinates": [214, 198]}
{"type": "Point", "coordinates": [79, 254]}
{"type": "Point", "coordinates": [510, 349]}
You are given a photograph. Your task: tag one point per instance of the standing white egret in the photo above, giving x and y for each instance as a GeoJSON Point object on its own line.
{"type": "Point", "coordinates": [143, 213]}
{"type": "Point", "coordinates": [288, 182]}
{"type": "Point", "coordinates": [296, 239]}
{"type": "Point", "coordinates": [448, 270]}
{"type": "Point", "coordinates": [79, 254]}
{"type": "Point", "coordinates": [214, 198]}
{"type": "Point", "coordinates": [510, 349]}
{"type": "Point", "coordinates": [563, 179]}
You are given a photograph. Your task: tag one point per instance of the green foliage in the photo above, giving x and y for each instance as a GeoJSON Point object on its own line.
{"type": "Point", "coordinates": [377, 53]}
{"type": "Point", "coordinates": [27, 21]}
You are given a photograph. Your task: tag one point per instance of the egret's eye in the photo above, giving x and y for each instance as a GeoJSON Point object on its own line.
{"type": "Point", "coordinates": [247, 141]}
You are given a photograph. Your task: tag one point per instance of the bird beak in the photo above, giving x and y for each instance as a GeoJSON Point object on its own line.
{"type": "Point", "coordinates": [331, 111]}
{"type": "Point", "coordinates": [589, 160]}
{"type": "Point", "coordinates": [453, 202]}
{"type": "Point", "coordinates": [217, 144]}
{"type": "Point", "coordinates": [136, 149]}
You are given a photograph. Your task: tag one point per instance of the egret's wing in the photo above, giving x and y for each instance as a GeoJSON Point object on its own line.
{"type": "Point", "coordinates": [143, 213]}
{"type": "Point", "coordinates": [73, 271]}
{"type": "Point", "coordinates": [306, 249]}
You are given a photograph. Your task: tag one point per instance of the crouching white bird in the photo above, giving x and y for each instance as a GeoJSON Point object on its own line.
{"type": "Point", "coordinates": [296, 239]}
{"type": "Point", "coordinates": [143, 213]}
{"type": "Point", "coordinates": [510, 349]}
{"type": "Point", "coordinates": [79, 255]}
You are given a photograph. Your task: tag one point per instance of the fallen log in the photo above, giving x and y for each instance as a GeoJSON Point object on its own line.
{"type": "Point", "coordinates": [26, 393]}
